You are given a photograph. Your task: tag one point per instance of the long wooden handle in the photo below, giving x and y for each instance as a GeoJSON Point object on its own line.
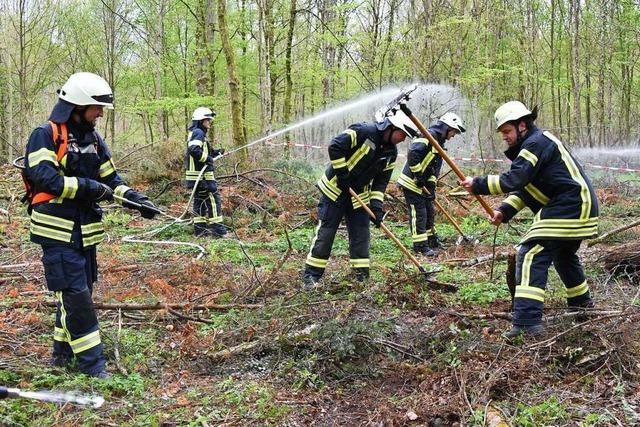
{"type": "Point", "coordinates": [444, 212]}
{"type": "Point", "coordinates": [447, 159]}
{"type": "Point", "coordinates": [387, 231]}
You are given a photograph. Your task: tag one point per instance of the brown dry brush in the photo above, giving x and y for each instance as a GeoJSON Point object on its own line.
{"type": "Point", "coordinates": [623, 260]}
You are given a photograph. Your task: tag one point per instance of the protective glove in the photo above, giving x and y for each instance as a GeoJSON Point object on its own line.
{"type": "Point", "coordinates": [98, 191]}
{"type": "Point", "coordinates": [380, 215]}
{"type": "Point", "coordinates": [431, 186]}
{"type": "Point", "coordinates": [147, 209]}
{"type": "Point", "coordinates": [209, 161]}
{"type": "Point", "coordinates": [344, 181]}
{"type": "Point", "coordinates": [421, 181]}
{"type": "Point", "coordinates": [219, 152]}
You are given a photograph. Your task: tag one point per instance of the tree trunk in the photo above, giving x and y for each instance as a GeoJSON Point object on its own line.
{"type": "Point", "coordinates": [234, 90]}
{"type": "Point", "coordinates": [287, 73]}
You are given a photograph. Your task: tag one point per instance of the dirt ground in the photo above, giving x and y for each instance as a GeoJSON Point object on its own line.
{"type": "Point", "coordinates": [230, 339]}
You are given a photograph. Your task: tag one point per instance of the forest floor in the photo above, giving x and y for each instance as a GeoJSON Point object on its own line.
{"type": "Point", "coordinates": [393, 351]}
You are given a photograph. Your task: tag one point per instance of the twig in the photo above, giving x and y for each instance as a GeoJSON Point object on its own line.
{"type": "Point", "coordinates": [599, 239]}
{"type": "Point", "coordinates": [141, 307]}
{"type": "Point", "coordinates": [267, 341]}
{"type": "Point", "coordinates": [116, 346]}
{"type": "Point", "coordinates": [493, 252]}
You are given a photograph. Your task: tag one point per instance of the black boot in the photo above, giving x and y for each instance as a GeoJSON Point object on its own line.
{"type": "Point", "coordinates": [434, 243]}
{"type": "Point", "coordinates": [217, 230]}
{"type": "Point", "coordinates": [582, 309]}
{"type": "Point", "coordinates": [423, 249]}
{"type": "Point", "coordinates": [529, 331]}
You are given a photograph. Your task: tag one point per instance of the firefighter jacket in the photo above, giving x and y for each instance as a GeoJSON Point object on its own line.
{"type": "Point", "coordinates": [360, 153]}
{"type": "Point", "coordinates": [545, 177]}
{"type": "Point", "coordinates": [71, 217]}
{"type": "Point", "coordinates": [199, 155]}
{"type": "Point", "coordinates": [423, 160]}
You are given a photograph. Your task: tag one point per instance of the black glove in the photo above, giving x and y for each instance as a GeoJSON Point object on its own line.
{"type": "Point", "coordinates": [431, 188]}
{"type": "Point", "coordinates": [421, 181]}
{"type": "Point", "coordinates": [219, 152]}
{"type": "Point", "coordinates": [98, 191]}
{"type": "Point", "coordinates": [405, 109]}
{"type": "Point", "coordinates": [380, 214]}
{"type": "Point", "coordinates": [209, 161]}
{"type": "Point", "coordinates": [344, 181]}
{"type": "Point", "coordinates": [147, 209]}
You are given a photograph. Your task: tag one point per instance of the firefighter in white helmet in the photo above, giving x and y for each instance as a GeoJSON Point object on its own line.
{"type": "Point", "coordinates": [545, 177]}
{"type": "Point", "coordinates": [418, 181]}
{"type": "Point", "coordinates": [68, 169]}
{"type": "Point", "coordinates": [362, 158]}
{"type": "Point", "coordinates": [207, 204]}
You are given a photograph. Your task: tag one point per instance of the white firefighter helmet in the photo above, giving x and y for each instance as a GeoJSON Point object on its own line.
{"type": "Point", "coordinates": [453, 121]}
{"type": "Point", "coordinates": [202, 113]}
{"type": "Point", "coordinates": [509, 111]}
{"type": "Point", "coordinates": [87, 89]}
{"type": "Point", "coordinates": [404, 123]}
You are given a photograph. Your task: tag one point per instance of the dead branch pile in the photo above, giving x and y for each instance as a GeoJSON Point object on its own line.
{"type": "Point", "coordinates": [623, 259]}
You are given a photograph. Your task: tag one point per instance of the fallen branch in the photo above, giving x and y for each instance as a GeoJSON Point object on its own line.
{"type": "Point", "coordinates": [140, 307]}
{"type": "Point", "coordinates": [268, 341]}
{"type": "Point", "coordinates": [612, 232]}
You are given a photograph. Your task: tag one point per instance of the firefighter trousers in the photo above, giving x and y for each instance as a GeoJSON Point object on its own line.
{"type": "Point", "coordinates": [330, 215]}
{"type": "Point", "coordinates": [70, 274]}
{"type": "Point", "coordinates": [532, 267]}
{"type": "Point", "coordinates": [421, 217]}
{"type": "Point", "coordinates": [207, 208]}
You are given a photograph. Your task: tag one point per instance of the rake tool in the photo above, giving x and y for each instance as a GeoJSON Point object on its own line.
{"type": "Point", "coordinates": [426, 274]}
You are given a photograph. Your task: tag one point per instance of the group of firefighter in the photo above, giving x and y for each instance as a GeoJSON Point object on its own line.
{"type": "Point", "coordinates": [69, 169]}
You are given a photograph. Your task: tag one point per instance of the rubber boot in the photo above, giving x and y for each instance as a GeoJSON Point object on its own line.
{"type": "Point", "coordinates": [529, 331]}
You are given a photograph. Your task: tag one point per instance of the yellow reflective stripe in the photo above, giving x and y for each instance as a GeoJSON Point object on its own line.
{"type": "Point", "coordinates": [360, 263]}
{"type": "Point", "coordinates": [205, 153]}
{"type": "Point", "coordinates": [70, 187]}
{"type": "Point", "coordinates": [194, 142]}
{"type": "Point", "coordinates": [530, 292]}
{"type": "Point", "coordinates": [317, 262]}
{"type": "Point", "coordinates": [536, 194]}
{"type": "Point", "coordinates": [328, 187]}
{"type": "Point", "coordinates": [515, 202]}
{"type": "Point", "coordinates": [432, 178]}
{"type": "Point", "coordinates": [585, 194]}
{"type": "Point", "coordinates": [528, 155]}
{"type": "Point", "coordinates": [92, 228]}
{"type": "Point", "coordinates": [107, 168]}
{"type": "Point", "coordinates": [377, 195]}
{"type": "Point", "coordinates": [357, 156]}
{"type": "Point", "coordinates": [528, 261]}
{"type": "Point", "coordinates": [364, 196]}
{"type": "Point", "coordinates": [408, 183]}
{"type": "Point", "coordinates": [493, 181]}
{"type": "Point", "coordinates": [63, 315]}
{"type": "Point", "coordinates": [391, 166]}
{"type": "Point", "coordinates": [93, 240]}
{"type": "Point", "coordinates": [42, 155]}
{"type": "Point", "coordinates": [49, 233]}
{"type": "Point", "coordinates": [120, 190]}
{"type": "Point", "coordinates": [52, 220]}
{"type": "Point", "coordinates": [415, 237]}
{"type": "Point", "coordinates": [86, 342]}
{"type": "Point", "coordinates": [353, 135]}
{"type": "Point", "coordinates": [199, 220]}
{"type": "Point", "coordinates": [426, 161]}
{"type": "Point", "coordinates": [59, 335]}
{"type": "Point", "coordinates": [339, 163]}
{"type": "Point", "coordinates": [215, 220]}
{"type": "Point", "coordinates": [564, 223]}
{"type": "Point", "coordinates": [577, 291]}
{"type": "Point", "coordinates": [582, 233]}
